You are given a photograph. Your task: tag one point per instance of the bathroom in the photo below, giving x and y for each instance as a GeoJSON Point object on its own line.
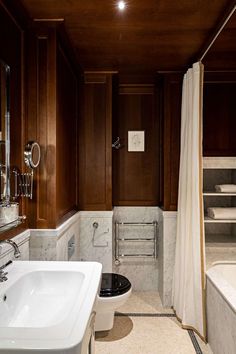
{"type": "Point", "coordinates": [92, 142]}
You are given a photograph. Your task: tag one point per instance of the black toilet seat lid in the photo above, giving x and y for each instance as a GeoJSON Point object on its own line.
{"type": "Point", "coordinates": [114, 285]}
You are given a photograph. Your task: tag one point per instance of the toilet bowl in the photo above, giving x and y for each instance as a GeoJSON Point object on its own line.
{"type": "Point", "coordinates": [115, 290]}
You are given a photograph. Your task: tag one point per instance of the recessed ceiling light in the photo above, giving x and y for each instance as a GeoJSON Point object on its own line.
{"type": "Point", "coordinates": [121, 5]}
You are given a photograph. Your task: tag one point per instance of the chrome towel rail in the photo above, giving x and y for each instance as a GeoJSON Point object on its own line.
{"type": "Point", "coordinates": [122, 239]}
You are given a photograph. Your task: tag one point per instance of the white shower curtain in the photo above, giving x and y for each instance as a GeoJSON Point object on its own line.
{"type": "Point", "coordinates": [189, 271]}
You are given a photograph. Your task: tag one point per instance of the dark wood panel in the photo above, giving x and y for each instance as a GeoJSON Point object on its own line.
{"type": "Point", "coordinates": [12, 53]}
{"type": "Point", "coordinates": [66, 136]}
{"type": "Point", "coordinates": [41, 123]}
{"type": "Point", "coordinates": [136, 174]}
{"type": "Point", "coordinates": [95, 143]}
{"type": "Point", "coordinates": [172, 85]}
{"type": "Point", "coordinates": [219, 111]}
{"type": "Point", "coordinates": [52, 121]}
{"type": "Point", "coordinates": [36, 124]}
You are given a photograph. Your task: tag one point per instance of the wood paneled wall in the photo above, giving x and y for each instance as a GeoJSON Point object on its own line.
{"type": "Point", "coordinates": [219, 114]}
{"type": "Point", "coordinates": [52, 122]}
{"type": "Point", "coordinates": [171, 116]}
{"type": "Point", "coordinates": [67, 137]}
{"type": "Point", "coordinates": [136, 174]}
{"type": "Point", "coordinates": [95, 155]}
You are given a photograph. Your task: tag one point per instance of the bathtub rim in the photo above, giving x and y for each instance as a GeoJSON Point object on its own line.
{"type": "Point", "coordinates": [225, 290]}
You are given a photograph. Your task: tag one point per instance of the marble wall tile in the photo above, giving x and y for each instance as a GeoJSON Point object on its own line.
{"type": "Point", "coordinates": [142, 272]}
{"type": "Point", "coordinates": [62, 243]}
{"type": "Point", "coordinates": [96, 246]}
{"type": "Point", "coordinates": [221, 322]}
{"type": "Point", "coordinates": [167, 240]}
{"type": "Point", "coordinates": [136, 214]}
{"type": "Point", "coordinates": [6, 251]}
{"type": "Point", "coordinates": [43, 247]}
{"type": "Point", "coordinates": [52, 245]}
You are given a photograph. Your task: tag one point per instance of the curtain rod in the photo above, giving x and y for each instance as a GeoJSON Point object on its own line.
{"type": "Point", "coordinates": [218, 32]}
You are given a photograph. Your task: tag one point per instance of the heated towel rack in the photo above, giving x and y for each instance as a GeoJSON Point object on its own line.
{"type": "Point", "coordinates": [141, 240]}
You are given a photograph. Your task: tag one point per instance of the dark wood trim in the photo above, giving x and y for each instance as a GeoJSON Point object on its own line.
{"type": "Point", "coordinates": [134, 89]}
{"type": "Point", "coordinates": [112, 72]}
{"type": "Point", "coordinates": [95, 78]}
{"type": "Point", "coordinates": [108, 137]}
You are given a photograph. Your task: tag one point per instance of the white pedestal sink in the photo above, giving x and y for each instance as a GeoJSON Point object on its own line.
{"type": "Point", "coordinates": [48, 307]}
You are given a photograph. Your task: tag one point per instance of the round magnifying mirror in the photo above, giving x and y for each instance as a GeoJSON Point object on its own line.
{"type": "Point", "coordinates": [32, 154]}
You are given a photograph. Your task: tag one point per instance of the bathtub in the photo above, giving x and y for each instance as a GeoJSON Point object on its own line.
{"type": "Point", "coordinates": [221, 307]}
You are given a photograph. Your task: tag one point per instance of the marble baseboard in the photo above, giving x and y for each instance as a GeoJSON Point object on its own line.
{"type": "Point", "coordinates": [6, 251]}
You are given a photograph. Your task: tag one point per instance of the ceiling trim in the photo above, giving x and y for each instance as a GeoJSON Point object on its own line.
{"type": "Point", "coordinates": [60, 20]}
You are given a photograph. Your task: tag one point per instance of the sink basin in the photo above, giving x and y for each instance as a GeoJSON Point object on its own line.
{"type": "Point", "coordinates": [46, 306]}
{"type": "Point", "coordinates": [40, 299]}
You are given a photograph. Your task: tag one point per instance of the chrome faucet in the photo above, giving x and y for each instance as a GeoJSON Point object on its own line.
{"type": "Point", "coordinates": [3, 274]}
{"type": "Point", "coordinates": [14, 245]}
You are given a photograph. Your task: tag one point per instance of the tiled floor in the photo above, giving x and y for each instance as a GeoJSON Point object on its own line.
{"type": "Point", "coordinates": [141, 333]}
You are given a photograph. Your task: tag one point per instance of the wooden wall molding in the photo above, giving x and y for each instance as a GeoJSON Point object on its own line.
{"type": "Point", "coordinates": [95, 78]}
{"type": "Point", "coordinates": [134, 89]}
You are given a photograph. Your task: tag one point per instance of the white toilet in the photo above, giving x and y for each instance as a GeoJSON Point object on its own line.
{"type": "Point", "coordinates": [115, 290]}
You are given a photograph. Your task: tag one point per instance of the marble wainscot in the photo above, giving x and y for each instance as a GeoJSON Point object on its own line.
{"type": "Point", "coordinates": [167, 241]}
{"type": "Point", "coordinates": [61, 244]}
{"type": "Point", "coordinates": [141, 271]}
{"type": "Point", "coordinates": [95, 243]}
{"type": "Point", "coordinates": [7, 252]}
